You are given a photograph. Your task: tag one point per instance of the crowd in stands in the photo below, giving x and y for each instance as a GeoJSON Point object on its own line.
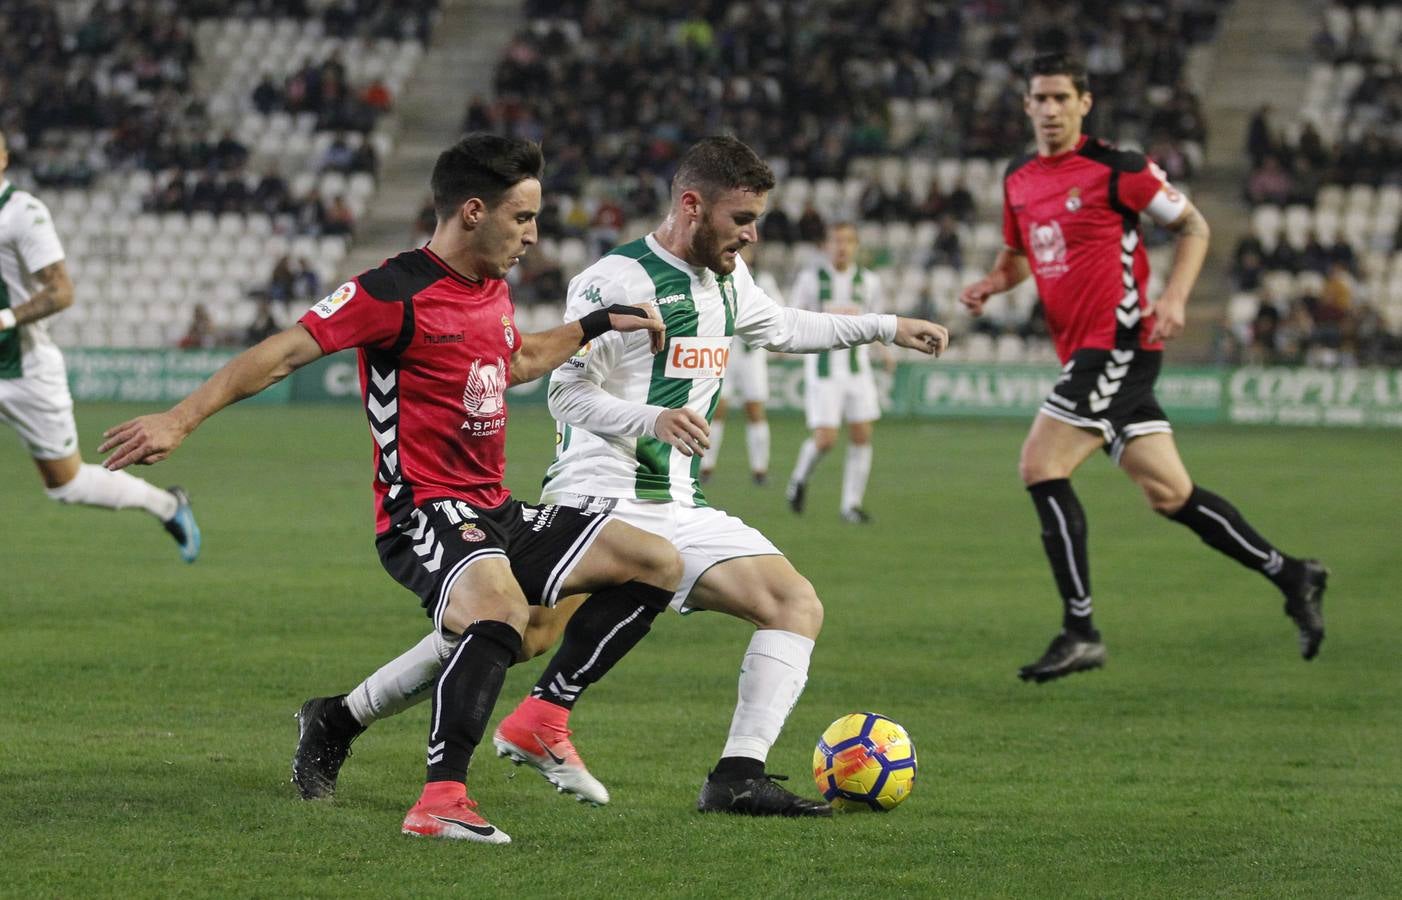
{"type": "Point", "coordinates": [178, 116]}
{"type": "Point", "coordinates": [616, 99]}
{"type": "Point", "coordinates": [1320, 276]}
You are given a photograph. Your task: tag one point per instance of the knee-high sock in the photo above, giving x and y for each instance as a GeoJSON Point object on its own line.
{"type": "Point", "coordinates": [1222, 528]}
{"type": "Point", "coordinates": [599, 634]}
{"type": "Point", "coordinates": [712, 454]}
{"type": "Point", "coordinates": [808, 457]}
{"type": "Point", "coordinates": [757, 443]}
{"type": "Point", "coordinates": [1064, 539]}
{"type": "Point", "coordinates": [402, 682]}
{"type": "Point", "coordinates": [96, 486]}
{"type": "Point", "coordinates": [856, 469]}
{"type": "Point", "coordinates": [772, 677]}
{"type": "Point", "coordinates": [465, 694]}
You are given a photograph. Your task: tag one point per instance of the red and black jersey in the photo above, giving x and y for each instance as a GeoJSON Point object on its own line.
{"type": "Point", "coordinates": [1076, 217]}
{"type": "Point", "coordinates": [435, 358]}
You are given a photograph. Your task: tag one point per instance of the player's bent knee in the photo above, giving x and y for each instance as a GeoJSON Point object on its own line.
{"type": "Point", "coordinates": [464, 609]}
{"type": "Point", "coordinates": [546, 625]}
{"type": "Point", "coordinates": [793, 606]}
{"type": "Point", "coordinates": [1164, 500]}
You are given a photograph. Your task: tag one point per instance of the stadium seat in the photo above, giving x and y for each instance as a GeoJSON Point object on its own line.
{"type": "Point", "coordinates": [1009, 349]}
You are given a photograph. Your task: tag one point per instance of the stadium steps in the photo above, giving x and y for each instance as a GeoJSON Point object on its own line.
{"type": "Point", "coordinates": [1256, 57]}
{"type": "Point", "coordinates": [459, 64]}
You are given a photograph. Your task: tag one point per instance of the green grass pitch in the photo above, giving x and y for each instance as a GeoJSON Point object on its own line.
{"type": "Point", "coordinates": [148, 705]}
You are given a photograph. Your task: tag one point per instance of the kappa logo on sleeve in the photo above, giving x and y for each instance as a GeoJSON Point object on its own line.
{"type": "Point", "coordinates": [335, 300]}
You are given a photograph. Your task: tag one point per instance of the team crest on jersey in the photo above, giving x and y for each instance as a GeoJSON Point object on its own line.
{"type": "Point", "coordinates": [1048, 248]}
{"type": "Point", "coordinates": [335, 300]}
{"type": "Point", "coordinates": [697, 357]}
{"type": "Point", "coordinates": [471, 533]}
{"type": "Point", "coordinates": [484, 397]}
{"type": "Point", "coordinates": [510, 332]}
{"type": "Point", "coordinates": [1073, 199]}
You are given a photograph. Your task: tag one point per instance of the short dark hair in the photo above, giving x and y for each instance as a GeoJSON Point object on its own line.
{"type": "Point", "coordinates": [721, 163]}
{"type": "Point", "coordinates": [1058, 64]}
{"type": "Point", "coordinates": [484, 166]}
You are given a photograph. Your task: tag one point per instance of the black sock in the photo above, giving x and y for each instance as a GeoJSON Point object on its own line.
{"type": "Point", "coordinates": [466, 691]}
{"type": "Point", "coordinates": [1223, 529]}
{"type": "Point", "coordinates": [737, 768]}
{"type": "Point", "coordinates": [339, 718]}
{"type": "Point", "coordinates": [1064, 539]}
{"type": "Point", "coordinates": [601, 631]}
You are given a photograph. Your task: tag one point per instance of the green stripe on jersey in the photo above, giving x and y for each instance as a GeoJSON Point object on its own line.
{"type": "Point", "coordinates": [653, 479]}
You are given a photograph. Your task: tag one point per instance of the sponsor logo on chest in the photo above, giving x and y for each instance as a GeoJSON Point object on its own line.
{"type": "Point", "coordinates": [484, 398]}
{"type": "Point", "coordinates": [697, 357]}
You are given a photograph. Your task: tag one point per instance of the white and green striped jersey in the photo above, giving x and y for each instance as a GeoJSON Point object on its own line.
{"type": "Point", "coordinates": [28, 243]}
{"type": "Point", "coordinates": [605, 451]}
{"type": "Point", "coordinates": [852, 292]}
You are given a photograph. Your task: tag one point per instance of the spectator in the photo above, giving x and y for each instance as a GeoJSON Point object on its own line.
{"type": "Point", "coordinates": [1270, 182]}
{"type": "Point", "coordinates": [376, 96]}
{"type": "Point", "coordinates": [947, 250]}
{"type": "Point", "coordinates": [200, 334]}
{"type": "Point", "coordinates": [338, 156]}
{"type": "Point", "coordinates": [811, 227]}
{"type": "Point", "coordinates": [340, 220]}
{"type": "Point", "coordinates": [264, 324]}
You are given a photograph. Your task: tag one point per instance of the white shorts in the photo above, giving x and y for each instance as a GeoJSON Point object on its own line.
{"type": "Point", "coordinates": [746, 375]}
{"type": "Point", "coordinates": [40, 408]}
{"type": "Point", "coordinates": [703, 535]}
{"type": "Point", "coordinates": [831, 401]}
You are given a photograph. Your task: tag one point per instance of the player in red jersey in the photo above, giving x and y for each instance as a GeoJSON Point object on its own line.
{"type": "Point", "coordinates": [1070, 219]}
{"type": "Point", "coordinates": [438, 347]}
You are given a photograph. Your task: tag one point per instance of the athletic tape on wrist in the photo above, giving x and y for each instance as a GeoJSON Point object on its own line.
{"type": "Point", "coordinates": [7, 319]}
{"type": "Point", "coordinates": [597, 322]}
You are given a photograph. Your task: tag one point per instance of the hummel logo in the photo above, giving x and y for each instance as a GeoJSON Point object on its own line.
{"type": "Point", "coordinates": [559, 760]}
{"type": "Point", "coordinates": [483, 830]}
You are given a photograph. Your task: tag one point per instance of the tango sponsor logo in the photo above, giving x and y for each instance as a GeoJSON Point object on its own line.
{"type": "Point", "coordinates": [698, 357]}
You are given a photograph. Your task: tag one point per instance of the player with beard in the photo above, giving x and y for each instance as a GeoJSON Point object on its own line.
{"type": "Point", "coordinates": [437, 347]}
{"type": "Point", "coordinates": [632, 428]}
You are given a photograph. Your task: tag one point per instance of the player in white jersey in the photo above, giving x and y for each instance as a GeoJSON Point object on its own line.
{"type": "Point", "coordinates": [34, 397]}
{"type": "Point", "coordinates": [746, 379]}
{"type": "Point", "coordinates": [631, 432]}
{"type": "Point", "coordinates": [839, 386]}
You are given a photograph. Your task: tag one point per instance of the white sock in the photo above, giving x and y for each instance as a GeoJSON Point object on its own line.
{"type": "Point", "coordinates": [808, 456]}
{"type": "Point", "coordinates": [402, 682]}
{"type": "Point", "coordinates": [708, 459]}
{"type": "Point", "coordinates": [757, 442]}
{"type": "Point", "coordinates": [855, 472]}
{"type": "Point", "coordinates": [771, 678]}
{"type": "Point", "coordinates": [96, 486]}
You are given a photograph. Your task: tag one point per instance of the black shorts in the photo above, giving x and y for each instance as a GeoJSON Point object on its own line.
{"type": "Point", "coordinates": [431, 547]}
{"type": "Point", "coordinates": [1111, 391]}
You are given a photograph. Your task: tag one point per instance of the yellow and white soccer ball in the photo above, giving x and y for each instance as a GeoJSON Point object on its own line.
{"type": "Point", "coordinates": [864, 761]}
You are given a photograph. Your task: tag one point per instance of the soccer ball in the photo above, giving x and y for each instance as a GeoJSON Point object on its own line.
{"type": "Point", "coordinates": [864, 761]}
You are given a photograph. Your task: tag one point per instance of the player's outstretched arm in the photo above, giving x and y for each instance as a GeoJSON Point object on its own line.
{"type": "Point", "coordinates": [150, 439]}
{"type": "Point", "coordinates": [55, 294]}
{"type": "Point", "coordinates": [1009, 269]}
{"type": "Point", "coordinates": [541, 352]}
{"type": "Point", "coordinates": [1171, 307]}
